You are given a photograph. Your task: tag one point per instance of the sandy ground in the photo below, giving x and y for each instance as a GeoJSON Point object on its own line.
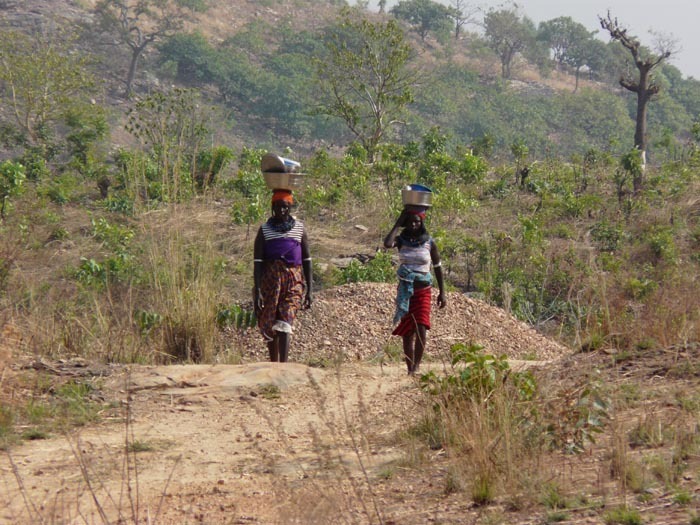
{"type": "Point", "coordinates": [270, 443]}
{"type": "Point", "coordinates": [217, 444]}
{"type": "Point", "coordinates": [258, 442]}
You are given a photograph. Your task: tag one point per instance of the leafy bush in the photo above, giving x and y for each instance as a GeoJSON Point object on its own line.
{"type": "Point", "coordinates": [379, 269]}
{"type": "Point", "coordinates": [662, 244]}
{"type": "Point", "coordinates": [191, 55]}
{"type": "Point", "coordinates": [471, 168]}
{"type": "Point", "coordinates": [12, 177]}
{"type": "Point", "coordinates": [607, 236]}
{"type": "Point", "coordinates": [210, 163]}
{"type": "Point", "coordinates": [235, 316]}
{"type": "Point", "coordinates": [476, 376]}
{"type": "Point", "coordinates": [147, 320]}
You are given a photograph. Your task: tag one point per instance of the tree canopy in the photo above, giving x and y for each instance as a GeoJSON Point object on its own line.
{"type": "Point", "coordinates": [424, 15]}
{"type": "Point", "coordinates": [139, 23]}
{"type": "Point", "coordinates": [508, 33]}
{"type": "Point", "coordinates": [366, 77]}
{"type": "Point", "coordinates": [42, 80]}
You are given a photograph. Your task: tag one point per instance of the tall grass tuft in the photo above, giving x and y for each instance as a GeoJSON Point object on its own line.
{"type": "Point", "coordinates": [184, 279]}
{"type": "Point", "coordinates": [484, 414]}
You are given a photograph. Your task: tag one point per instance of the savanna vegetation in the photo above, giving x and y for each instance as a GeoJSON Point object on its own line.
{"type": "Point", "coordinates": [128, 208]}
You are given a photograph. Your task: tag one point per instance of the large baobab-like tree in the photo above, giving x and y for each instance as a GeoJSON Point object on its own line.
{"type": "Point", "coordinates": [644, 85]}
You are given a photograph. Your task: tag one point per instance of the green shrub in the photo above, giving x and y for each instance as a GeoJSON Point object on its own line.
{"type": "Point", "coordinates": [210, 162]}
{"type": "Point", "coordinates": [35, 165]}
{"type": "Point", "coordinates": [622, 516]}
{"type": "Point", "coordinates": [147, 320]}
{"type": "Point", "coordinates": [640, 288]}
{"type": "Point", "coordinates": [235, 316]}
{"type": "Point", "coordinates": [379, 269]}
{"type": "Point", "coordinates": [471, 168]}
{"type": "Point", "coordinates": [662, 243]}
{"type": "Point", "coordinates": [12, 177]}
{"type": "Point", "coordinates": [607, 236]}
{"type": "Point", "coordinates": [476, 374]}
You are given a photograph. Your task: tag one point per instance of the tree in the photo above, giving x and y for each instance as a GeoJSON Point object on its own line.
{"type": "Point", "coordinates": [423, 15]}
{"type": "Point", "coordinates": [366, 77]}
{"type": "Point", "coordinates": [507, 33]}
{"type": "Point", "coordinates": [190, 54]}
{"type": "Point", "coordinates": [564, 37]}
{"type": "Point", "coordinates": [42, 81]}
{"type": "Point", "coordinates": [597, 58]}
{"type": "Point", "coordinates": [462, 14]}
{"type": "Point", "coordinates": [585, 52]}
{"type": "Point", "coordinates": [139, 23]}
{"type": "Point", "coordinates": [644, 86]}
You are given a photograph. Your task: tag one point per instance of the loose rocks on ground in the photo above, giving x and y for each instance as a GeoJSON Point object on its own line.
{"type": "Point", "coordinates": [353, 322]}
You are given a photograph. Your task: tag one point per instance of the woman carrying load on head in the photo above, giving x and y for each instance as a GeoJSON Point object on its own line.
{"type": "Point", "coordinates": [417, 251]}
{"type": "Point", "coordinates": [282, 274]}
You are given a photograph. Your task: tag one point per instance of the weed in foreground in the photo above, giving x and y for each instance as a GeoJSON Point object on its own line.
{"type": "Point", "coordinates": [556, 517]}
{"type": "Point", "coordinates": [483, 489]}
{"type": "Point", "coordinates": [341, 488]}
{"type": "Point", "coordinates": [500, 429]}
{"type": "Point", "coordinates": [622, 516]}
{"type": "Point", "coordinates": [553, 498]}
{"type": "Point", "coordinates": [93, 497]}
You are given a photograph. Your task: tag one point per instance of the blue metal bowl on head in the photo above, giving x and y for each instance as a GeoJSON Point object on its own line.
{"type": "Point", "coordinates": [417, 195]}
{"type": "Point", "coordinates": [419, 187]}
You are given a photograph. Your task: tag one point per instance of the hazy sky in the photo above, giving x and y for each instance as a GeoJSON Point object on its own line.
{"type": "Point", "coordinates": [677, 18]}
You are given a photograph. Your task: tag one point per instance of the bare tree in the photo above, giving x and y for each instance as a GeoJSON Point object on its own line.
{"type": "Point", "coordinates": [139, 23]}
{"type": "Point", "coordinates": [644, 86]}
{"type": "Point", "coordinates": [463, 13]}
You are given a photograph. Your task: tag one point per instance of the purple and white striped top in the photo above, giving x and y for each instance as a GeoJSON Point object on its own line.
{"type": "Point", "coordinates": [283, 245]}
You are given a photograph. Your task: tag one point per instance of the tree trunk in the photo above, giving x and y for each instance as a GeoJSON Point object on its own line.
{"type": "Point", "coordinates": [135, 54]}
{"type": "Point", "coordinates": [640, 130]}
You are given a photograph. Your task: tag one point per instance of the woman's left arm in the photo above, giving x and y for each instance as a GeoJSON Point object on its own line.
{"type": "Point", "coordinates": [307, 267]}
{"type": "Point", "coordinates": [437, 267]}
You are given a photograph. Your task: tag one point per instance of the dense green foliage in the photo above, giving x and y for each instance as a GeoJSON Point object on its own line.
{"type": "Point", "coordinates": [247, 69]}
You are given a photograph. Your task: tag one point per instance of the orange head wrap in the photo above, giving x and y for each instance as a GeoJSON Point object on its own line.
{"type": "Point", "coordinates": [420, 213]}
{"type": "Point", "coordinates": [283, 195]}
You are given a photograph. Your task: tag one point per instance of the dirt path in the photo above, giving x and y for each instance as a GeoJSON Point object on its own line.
{"type": "Point", "coordinates": [261, 442]}
{"type": "Point", "coordinates": [224, 443]}
{"type": "Point", "coordinates": [266, 443]}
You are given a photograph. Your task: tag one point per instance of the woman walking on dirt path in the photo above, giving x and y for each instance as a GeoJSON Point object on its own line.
{"type": "Point", "coordinates": [282, 274]}
{"type": "Point", "coordinates": [417, 251]}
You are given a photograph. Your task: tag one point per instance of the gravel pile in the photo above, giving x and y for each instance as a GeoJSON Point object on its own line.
{"type": "Point", "coordinates": [354, 322]}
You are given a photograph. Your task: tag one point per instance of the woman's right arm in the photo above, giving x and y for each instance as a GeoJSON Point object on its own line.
{"type": "Point", "coordinates": [258, 252]}
{"type": "Point", "coordinates": [390, 239]}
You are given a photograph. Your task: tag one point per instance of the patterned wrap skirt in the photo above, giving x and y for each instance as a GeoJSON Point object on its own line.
{"type": "Point", "coordinates": [418, 312]}
{"type": "Point", "coordinates": [282, 289]}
